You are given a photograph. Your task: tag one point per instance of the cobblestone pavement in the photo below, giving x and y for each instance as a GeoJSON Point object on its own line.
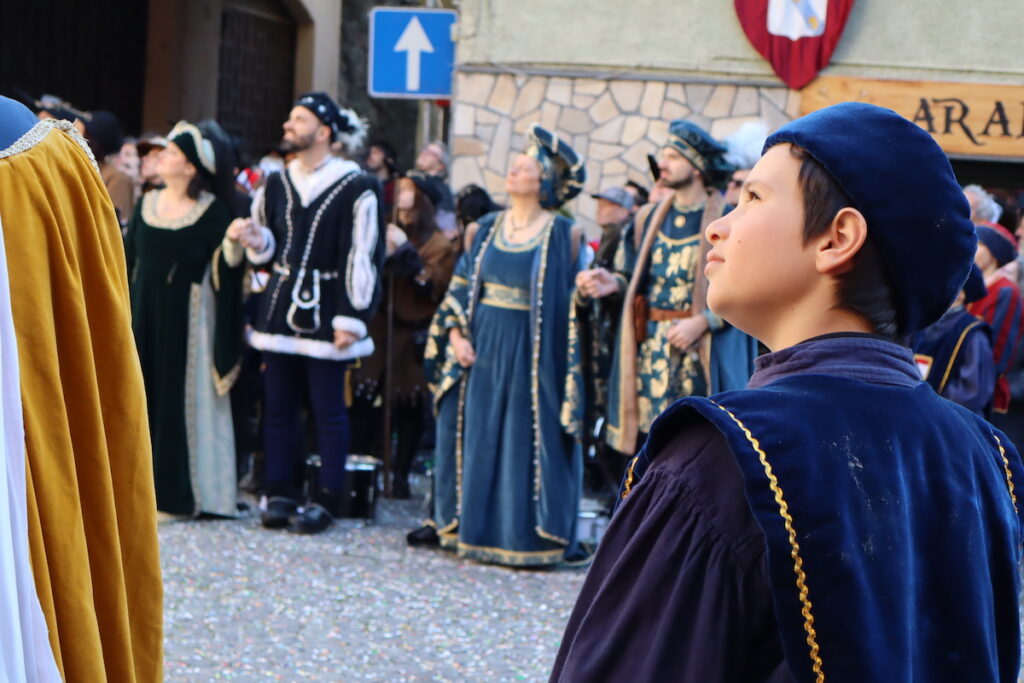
{"type": "Point", "coordinates": [352, 604]}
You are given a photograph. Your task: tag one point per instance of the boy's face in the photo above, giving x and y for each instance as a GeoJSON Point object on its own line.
{"type": "Point", "coordinates": [759, 266]}
{"type": "Point", "coordinates": [984, 259]}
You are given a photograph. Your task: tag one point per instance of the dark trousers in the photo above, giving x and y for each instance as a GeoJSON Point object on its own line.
{"type": "Point", "coordinates": [285, 378]}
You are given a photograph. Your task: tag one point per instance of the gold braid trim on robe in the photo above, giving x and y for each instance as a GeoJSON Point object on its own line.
{"type": "Point", "coordinates": [625, 440]}
{"type": "Point", "coordinates": [91, 504]}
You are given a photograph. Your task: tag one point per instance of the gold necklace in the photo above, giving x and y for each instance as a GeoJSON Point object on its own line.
{"type": "Point", "coordinates": [513, 228]}
{"type": "Point", "coordinates": [687, 208]}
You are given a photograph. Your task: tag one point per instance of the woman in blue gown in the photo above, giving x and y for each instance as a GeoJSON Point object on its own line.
{"type": "Point", "coordinates": [502, 361]}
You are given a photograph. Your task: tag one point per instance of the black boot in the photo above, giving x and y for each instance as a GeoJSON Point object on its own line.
{"type": "Point", "coordinates": [279, 512]}
{"type": "Point", "coordinates": [318, 514]}
{"type": "Point", "coordinates": [426, 536]}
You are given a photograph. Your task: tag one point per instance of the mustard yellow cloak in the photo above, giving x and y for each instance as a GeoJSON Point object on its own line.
{"type": "Point", "coordinates": [91, 506]}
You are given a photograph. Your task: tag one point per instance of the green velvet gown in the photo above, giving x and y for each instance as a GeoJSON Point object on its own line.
{"type": "Point", "coordinates": [187, 318]}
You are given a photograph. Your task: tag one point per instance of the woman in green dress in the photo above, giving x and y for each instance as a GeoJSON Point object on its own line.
{"type": "Point", "coordinates": [501, 360]}
{"type": "Point", "coordinates": [185, 278]}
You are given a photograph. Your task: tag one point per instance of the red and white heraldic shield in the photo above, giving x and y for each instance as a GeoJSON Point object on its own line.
{"type": "Point", "coordinates": [797, 37]}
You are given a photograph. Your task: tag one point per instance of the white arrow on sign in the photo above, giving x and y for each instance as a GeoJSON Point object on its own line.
{"type": "Point", "coordinates": [413, 42]}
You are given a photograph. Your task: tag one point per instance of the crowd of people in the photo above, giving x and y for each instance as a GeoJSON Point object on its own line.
{"type": "Point", "coordinates": [324, 282]}
{"type": "Point", "coordinates": [341, 305]}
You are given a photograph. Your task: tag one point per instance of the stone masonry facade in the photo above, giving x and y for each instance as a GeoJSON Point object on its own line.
{"type": "Point", "coordinates": [613, 124]}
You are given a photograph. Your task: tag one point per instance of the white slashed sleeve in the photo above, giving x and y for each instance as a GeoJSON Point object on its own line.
{"type": "Point", "coordinates": [360, 272]}
{"type": "Point", "coordinates": [259, 217]}
{"type": "Point", "coordinates": [25, 652]}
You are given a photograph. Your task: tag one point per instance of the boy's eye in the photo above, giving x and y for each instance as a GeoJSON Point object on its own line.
{"type": "Point", "coordinates": [751, 195]}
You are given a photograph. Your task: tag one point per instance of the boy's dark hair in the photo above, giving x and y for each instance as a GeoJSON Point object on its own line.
{"type": "Point", "coordinates": [197, 185]}
{"type": "Point", "coordinates": [864, 289]}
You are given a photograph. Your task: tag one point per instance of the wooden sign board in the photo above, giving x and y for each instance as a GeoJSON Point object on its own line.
{"type": "Point", "coordinates": [966, 119]}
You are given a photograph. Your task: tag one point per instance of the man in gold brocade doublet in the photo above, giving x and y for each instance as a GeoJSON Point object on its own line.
{"type": "Point", "coordinates": [665, 348]}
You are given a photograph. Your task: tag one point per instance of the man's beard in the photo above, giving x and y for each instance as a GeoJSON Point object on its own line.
{"type": "Point", "coordinates": [681, 183]}
{"type": "Point", "coordinates": [299, 143]}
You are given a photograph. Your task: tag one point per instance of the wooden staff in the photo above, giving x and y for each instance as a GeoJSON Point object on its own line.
{"type": "Point", "coordinates": [388, 489]}
{"type": "Point", "coordinates": [388, 373]}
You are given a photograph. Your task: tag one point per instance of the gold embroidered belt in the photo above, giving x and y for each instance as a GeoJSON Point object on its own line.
{"type": "Point", "coordinates": [501, 296]}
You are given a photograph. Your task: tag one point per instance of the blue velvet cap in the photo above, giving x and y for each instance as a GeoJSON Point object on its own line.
{"type": "Point", "coordinates": [562, 172]}
{"type": "Point", "coordinates": [998, 240]}
{"type": "Point", "coordinates": [901, 181]}
{"type": "Point", "coordinates": [974, 288]}
{"type": "Point", "coordinates": [705, 153]}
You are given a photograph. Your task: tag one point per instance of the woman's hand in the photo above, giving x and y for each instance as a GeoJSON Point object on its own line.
{"type": "Point", "coordinates": [596, 283]}
{"type": "Point", "coordinates": [462, 348]}
{"type": "Point", "coordinates": [245, 232]}
{"type": "Point", "coordinates": [395, 237]}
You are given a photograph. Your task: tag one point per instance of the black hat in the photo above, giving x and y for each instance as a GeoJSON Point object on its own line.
{"type": "Point", "coordinates": [428, 185]}
{"type": "Point", "coordinates": [59, 109]}
{"type": "Point", "coordinates": [346, 126]}
{"type": "Point", "coordinates": [195, 146]}
{"type": "Point", "coordinates": [390, 155]}
{"type": "Point", "coordinates": [104, 132]}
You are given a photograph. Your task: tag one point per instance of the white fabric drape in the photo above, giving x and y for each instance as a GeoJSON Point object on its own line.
{"type": "Point", "coordinates": [25, 653]}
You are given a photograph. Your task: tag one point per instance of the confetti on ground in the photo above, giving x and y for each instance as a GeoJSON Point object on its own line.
{"type": "Point", "coordinates": [353, 604]}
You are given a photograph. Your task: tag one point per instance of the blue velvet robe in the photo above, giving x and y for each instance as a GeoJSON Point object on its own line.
{"type": "Point", "coordinates": [954, 355]}
{"type": "Point", "coordinates": [886, 518]}
{"type": "Point", "coordinates": [891, 520]}
{"type": "Point", "coordinates": [535, 525]}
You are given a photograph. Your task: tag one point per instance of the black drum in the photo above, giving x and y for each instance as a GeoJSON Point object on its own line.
{"type": "Point", "coordinates": [362, 488]}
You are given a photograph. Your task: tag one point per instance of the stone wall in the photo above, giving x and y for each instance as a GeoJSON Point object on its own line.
{"type": "Point", "coordinates": [613, 124]}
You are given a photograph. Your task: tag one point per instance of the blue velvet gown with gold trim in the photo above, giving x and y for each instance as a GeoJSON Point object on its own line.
{"type": "Point", "coordinates": [507, 478]}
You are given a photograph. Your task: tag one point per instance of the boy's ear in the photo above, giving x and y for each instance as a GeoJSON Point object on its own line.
{"type": "Point", "coordinates": [837, 247]}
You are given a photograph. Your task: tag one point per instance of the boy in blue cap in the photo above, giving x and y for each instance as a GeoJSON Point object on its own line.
{"type": "Point", "coordinates": [837, 517]}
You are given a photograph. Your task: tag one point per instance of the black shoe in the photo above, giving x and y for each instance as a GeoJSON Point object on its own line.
{"type": "Point", "coordinates": [279, 512]}
{"type": "Point", "coordinates": [425, 536]}
{"type": "Point", "coordinates": [314, 519]}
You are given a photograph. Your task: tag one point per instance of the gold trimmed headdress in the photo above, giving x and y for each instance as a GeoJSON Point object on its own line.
{"type": "Point", "coordinates": [196, 148]}
{"type": "Point", "coordinates": [562, 170]}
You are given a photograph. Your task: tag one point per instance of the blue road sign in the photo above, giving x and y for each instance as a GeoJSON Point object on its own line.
{"type": "Point", "coordinates": [412, 53]}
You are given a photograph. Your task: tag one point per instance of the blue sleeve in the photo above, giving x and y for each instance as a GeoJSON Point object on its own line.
{"type": "Point", "coordinates": [974, 380]}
